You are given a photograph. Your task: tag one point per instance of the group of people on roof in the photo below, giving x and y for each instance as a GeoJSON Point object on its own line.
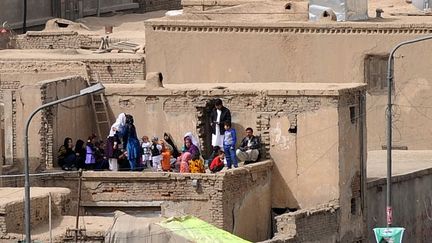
{"type": "Point", "coordinates": [124, 151]}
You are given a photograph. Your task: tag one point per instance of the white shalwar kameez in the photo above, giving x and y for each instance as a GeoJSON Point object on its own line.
{"type": "Point", "coordinates": [217, 139]}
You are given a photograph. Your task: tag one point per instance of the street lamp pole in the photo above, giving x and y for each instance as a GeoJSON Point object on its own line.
{"type": "Point", "coordinates": [89, 90]}
{"type": "Point", "coordinates": [390, 74]}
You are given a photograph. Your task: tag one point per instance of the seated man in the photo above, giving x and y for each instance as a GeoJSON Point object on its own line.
{"type": "Point", "coordinates": [249, 148]}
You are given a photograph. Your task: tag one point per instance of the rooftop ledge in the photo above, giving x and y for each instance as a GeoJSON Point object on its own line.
{"type": "Point", "coordinates": [160, 176]}
{"type": "Point", "coordinates": [206, 89]}
{"type": "Point", "coordinates": [365, 25]}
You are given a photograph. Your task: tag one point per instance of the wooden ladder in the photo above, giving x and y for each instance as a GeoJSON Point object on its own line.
{"type": "Point", "coordinates": [100, 111]}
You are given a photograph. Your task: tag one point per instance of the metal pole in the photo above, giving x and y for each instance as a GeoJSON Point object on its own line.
{"type": "Point", "coordinates": [25, 17]}
{"type": "Point", "coordinates": [26, 153]}
{"type": "Point", "coordinates": [49, 217]}
{"type": "Point", "coordinates": [78, 206]}
{"type": "Point", "coordinates": [98, 10]}
{"type": "Point", "coordinates": [390, 73]}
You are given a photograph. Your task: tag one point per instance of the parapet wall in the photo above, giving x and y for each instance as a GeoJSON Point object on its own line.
{"type": "Point", "coordinates": [319, 224]}
{"type": "Point", "coordinates": [55, 40]}
{"type": "Point", "coordinates": [12, 213]}
{"type": "Point", "coordinates": [412, 205]}
{"type": "Point", "coordinates": [238, 200]}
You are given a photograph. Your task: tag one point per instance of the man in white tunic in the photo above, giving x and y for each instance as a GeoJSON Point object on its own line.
{"type": "Point", "coordinates": [219, 115]}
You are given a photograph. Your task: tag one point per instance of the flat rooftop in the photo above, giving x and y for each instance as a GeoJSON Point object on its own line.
{"type": "Point", "coordinates": [404, 162]}
{"type": "Point", "coordinates": [396, 12]}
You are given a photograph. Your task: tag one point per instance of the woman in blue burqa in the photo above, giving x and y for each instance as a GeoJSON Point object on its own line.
{"type": "Point", "coordinates": [130, 140]}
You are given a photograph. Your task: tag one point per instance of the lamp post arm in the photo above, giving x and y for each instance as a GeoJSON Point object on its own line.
{"type": "Point", "coordinates": [390, 74]}
{"type": "Point", "coordinates": [26, 162]}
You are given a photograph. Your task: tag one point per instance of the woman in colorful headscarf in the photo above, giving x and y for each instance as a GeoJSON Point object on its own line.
{"type": "Point", "coordinates": [184, 162]}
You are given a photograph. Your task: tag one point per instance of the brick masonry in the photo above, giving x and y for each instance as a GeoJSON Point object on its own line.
{"type": "Point", "coordinates": [264, 104]}
{"type": "Point", "coordinates": [55, 40]}
{"type": "Point", "coordinates": [12, 213]}
{"type": "Point", "coordinates": [213, 200]}
{"type": "Point", "coordinates": [156, 5]}
{"type": "Point", "coordinates": [315, 225]}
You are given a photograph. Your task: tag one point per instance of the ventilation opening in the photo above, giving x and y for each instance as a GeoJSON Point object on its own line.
{"type": "Point", "coordinates": [288, 6]}
{"type": "Point", "coordinates": [293, 129]}
{"type": "Point", "coordinates": [219, 87]}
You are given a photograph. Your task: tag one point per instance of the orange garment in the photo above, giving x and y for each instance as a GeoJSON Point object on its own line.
{"type": "Point", "coordinates": [166, 163]}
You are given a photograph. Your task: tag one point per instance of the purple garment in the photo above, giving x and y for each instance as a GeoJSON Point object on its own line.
{"type": "Point", "coordinates": [193, 150]}
{"type": "Point", "coordinates": [90, 157]}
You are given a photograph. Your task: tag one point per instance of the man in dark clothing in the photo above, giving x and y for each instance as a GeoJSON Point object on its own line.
{"type": "Point", "coordinates": [249, 148]}
{"type": "Point", "coordinates": [219, 115]}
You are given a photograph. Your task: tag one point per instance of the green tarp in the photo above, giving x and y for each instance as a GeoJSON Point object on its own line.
{"type": "Point", "coordinates": [187, 229]}
{"type": "Point", "coordinates": [196, 230]}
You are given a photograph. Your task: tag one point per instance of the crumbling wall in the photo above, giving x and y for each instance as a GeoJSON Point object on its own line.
{"type": "Point", "coordinates": [246, 201]}
{"type": "Point", "coordinates": [12, 213]}
{"type": "Point", "coordinates": [73, 119]}
{"type": "Point", "coordinates": [352, 166]}
{"type": "Point", "coordinates": [278, 117]}
{"type": "Point", "coordinates": [55, 40]}
{"type": "Point", "coordinates": [320, 224]}
{"type": "Point", "coordinates": [116, 70]}
{"type": "Point", "coordinates": [106, 70]}
{"type": "Point", "coordinates": [227, 200]}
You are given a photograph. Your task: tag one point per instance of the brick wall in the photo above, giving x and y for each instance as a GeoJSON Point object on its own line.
{"type": "Point", "coordinates": [313, 225]}
{"type": "Point", "coordinates": [216, 198]}
{"type": "Point", "coordinates": [55, 40]}
{"type": "Point", "coordinates": [264, 104]}
{"type": "Point", "coordinates": [116, 70]}
{"type": "Point", "coordinates": [70, 119]}
{"type": "Point", "coordinates": [12, 213]}
{"type": "Point", "coordinates": [155, 5]}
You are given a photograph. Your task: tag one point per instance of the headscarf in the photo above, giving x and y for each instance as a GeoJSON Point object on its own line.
{"type": "Point", "coordinates": [119, 123]}
{"type": "Point", "coordinates": [169, 140]}
{"type": "Point", "coordinates": [66, 144]}
{"type": "Point", "coordinates": [192, 138]}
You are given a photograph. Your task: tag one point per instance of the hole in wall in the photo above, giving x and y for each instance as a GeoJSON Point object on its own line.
{"type": "Point", "coordinates": [326, 14]}
{"type": "Point", "coordinates": [219, 87]}
{"type": "Point", "coordinates": [288, 6]}
{"type": "Point", "coordinates": [353, 206]}
{"type": "Point", "coordinates": [292, 129]}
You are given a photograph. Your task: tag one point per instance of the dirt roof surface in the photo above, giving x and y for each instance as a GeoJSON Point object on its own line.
{"type": "Point", "coordinates": [404, 162]}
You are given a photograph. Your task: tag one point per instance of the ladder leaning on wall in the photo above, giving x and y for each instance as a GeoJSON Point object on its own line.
{"type": "Point", "coordinates": [100, 110]}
